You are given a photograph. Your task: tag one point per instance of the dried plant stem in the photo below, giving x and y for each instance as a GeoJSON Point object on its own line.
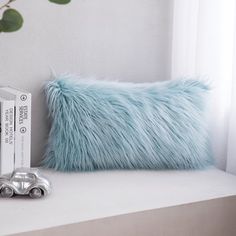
{"type": "Point", "coordinates": [7, 4]}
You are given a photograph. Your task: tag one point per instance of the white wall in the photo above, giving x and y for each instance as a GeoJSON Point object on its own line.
{"type": "Point", "coordinates": [128, 40]}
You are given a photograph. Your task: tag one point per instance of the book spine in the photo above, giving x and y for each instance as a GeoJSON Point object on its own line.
{"type": "Point", "coordinates": [22, 130]}
{"type": "Point", "coordinates": [7, 137]}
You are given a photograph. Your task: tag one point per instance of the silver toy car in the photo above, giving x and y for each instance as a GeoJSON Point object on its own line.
{"type": "Point", "coordinates": [24, 181]}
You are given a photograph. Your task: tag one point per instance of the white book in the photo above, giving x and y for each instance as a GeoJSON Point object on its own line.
{"type": "Point", "coordinates": [22, 124]}
{"type": "Point", "coordinates": [7, 136]}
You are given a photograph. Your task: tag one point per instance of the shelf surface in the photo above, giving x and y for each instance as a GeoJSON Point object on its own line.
{"type": "Point", "coordinates": [79, 197]}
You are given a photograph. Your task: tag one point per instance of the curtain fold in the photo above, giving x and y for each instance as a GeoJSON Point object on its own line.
{"type": "Point", "coordinates": [202, 46]}
{"type": "Point", "coordinates": [231, 157]}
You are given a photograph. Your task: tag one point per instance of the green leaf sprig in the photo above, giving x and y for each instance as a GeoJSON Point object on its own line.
{"type": "Point", "coordinates": [12, 20]}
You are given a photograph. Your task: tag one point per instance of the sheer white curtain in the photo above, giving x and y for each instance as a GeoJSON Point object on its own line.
{"type": "Point", "coordinates": [231, 157]}
{"type": "Point", "coordinates": [203, 45]}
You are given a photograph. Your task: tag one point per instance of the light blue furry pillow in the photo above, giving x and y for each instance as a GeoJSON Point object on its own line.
{"type": "Point", "coordinates": [110, 125]}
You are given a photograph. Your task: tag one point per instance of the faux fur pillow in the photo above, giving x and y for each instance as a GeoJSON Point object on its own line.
{"type": "Point", "coordinates": [111, 125]}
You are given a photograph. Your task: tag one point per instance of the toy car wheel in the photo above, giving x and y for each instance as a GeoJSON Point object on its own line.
{"type": "Point", "coordinates": [7, 192]}
{"type": "Point", "coordinates": [36, 193]}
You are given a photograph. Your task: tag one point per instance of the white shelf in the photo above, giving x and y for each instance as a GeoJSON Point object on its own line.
{"type": "Point", "coordinates": [79, 197]}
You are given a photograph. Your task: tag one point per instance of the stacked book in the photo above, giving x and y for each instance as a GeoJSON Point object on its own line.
{"type": "Point", "coordinates": [15, 130]}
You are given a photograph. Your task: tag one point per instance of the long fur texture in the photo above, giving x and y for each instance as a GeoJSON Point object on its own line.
{"type": "Point", "coordinates": [112, 125]}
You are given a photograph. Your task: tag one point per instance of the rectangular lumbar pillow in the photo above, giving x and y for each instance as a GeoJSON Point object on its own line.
{"type": "Point", "coordinates": [111, 125]}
